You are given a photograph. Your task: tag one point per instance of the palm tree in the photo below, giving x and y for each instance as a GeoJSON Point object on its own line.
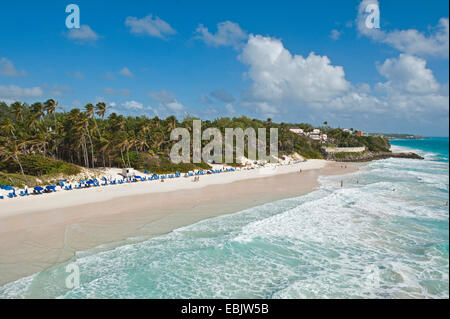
{"type": "Point", "coordinates": [120, 123]}
{"type": "Point", "coordinates": [124, 145]}
{"type": "Point", "coordinates": [85, 120]}
{"type": "Point", "coordinates": [17, 110]}
{"type": "Point", "coordinates": [50, 107]}
{"type": "Point", "coordinates": [32, 121]}
{"type": "Point", "coordinates": [7, 128]}
{"type": "Point", "coordinates": [104, 146]}
{"type": "Point", "coordinates": [89, 109]}
{"type": "Point", "coordinates": [38, 110]}
{"type": "Point", "coordinates": [101, 109]}
{"type": "Point", "coordinates": [78, 127]}
{"type": "Point", "coordinates": [171, 123]}
{"type": "Point", "coordinates": [11, 151]}
{"type": "Point", "coordinates": [141, 144]}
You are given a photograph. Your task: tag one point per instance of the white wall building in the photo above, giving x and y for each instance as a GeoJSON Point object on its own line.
{"type": "Point", "coordinates": [128, 172]}
{"type": "Point", "coordinates": [298, 131]}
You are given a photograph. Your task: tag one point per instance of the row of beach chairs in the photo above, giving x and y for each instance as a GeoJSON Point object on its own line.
{"type": "Point", "coordinates": [105, 182]}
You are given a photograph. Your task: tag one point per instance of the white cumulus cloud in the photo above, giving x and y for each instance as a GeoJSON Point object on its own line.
{"type": "Point", "coordinates": [8, 69]}
{"type": "Point", "coordinates": [228, 34]}
{"type": "Point", "coordinates": [411, 41]}
{"type": "Point", "coordinates": [277, 75]}
{"type": "Point", "coordinates": [149, 25]}
{"type": "Point", "coordinates": [126, 72]}
{"type": "Point", "coordinates": [133, 105]}
{"type": "Point", "coordinates": [15, 92]}
{"type": "Point", "coordinates": [83, 35]}
{"type": "Point", "coordinates": [335, 34]}
{"type": "Point", "coordinates": [409, 73]}
{"type": "Point", "coordinates": [230, 108]}
{"type": "Point", "coordinates": [119, 92]}
{"type": "Point", "coordinates": [167, 101]}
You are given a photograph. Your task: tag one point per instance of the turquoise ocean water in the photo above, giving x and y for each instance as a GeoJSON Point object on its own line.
{"type": "Point", "coordinates": [384, 235]}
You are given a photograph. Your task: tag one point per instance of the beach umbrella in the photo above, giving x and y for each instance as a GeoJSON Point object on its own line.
{"type": "Point", "coordinates": [39, 189]}
{"type": "Point", "coordinates": [8, 188]}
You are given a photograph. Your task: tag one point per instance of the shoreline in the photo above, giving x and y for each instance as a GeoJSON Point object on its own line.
{"type": "Point", "coordinates": [32, 240]}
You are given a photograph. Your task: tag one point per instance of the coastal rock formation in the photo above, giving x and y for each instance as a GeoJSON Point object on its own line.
{"type": "Point", "coordinates": [369, 156]}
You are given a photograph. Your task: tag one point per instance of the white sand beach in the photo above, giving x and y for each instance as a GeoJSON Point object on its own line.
{"type": "Point", "coordinates": [63, 198]}
{"type": "Point", "coordinates": [39, 231]}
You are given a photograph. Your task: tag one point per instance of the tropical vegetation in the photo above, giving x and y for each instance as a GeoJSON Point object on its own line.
{"type": "Point", "coordinates": [43, 139]}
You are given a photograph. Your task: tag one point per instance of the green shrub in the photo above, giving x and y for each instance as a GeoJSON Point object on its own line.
{"type": "Point", "coordinates": [38, 165]}
{"type": "Point", "coordinates": [348, 155]}
{"type": "Point", "coordinates": [17, 180]}
{"type": "Point", "coordinates": [165, 166]}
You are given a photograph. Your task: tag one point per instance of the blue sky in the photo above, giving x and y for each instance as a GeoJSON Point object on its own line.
{"type": "Point", "coordinates": [293, 61]}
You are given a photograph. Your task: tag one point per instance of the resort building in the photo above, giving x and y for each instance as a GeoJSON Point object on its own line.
{"type": "Point", "coordinates": [314, 135]}
{"type": "Point", "coordinates": [298, 131]}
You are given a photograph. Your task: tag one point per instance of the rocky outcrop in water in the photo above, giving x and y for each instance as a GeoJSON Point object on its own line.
{"type": "Point", "coordinates": [370, 156]}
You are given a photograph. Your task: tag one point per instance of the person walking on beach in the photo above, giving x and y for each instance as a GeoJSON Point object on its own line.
{"type": "Point", "coordinates": [342, 183]}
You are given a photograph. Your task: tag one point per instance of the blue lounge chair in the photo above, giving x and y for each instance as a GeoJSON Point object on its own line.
{"type": "Point", "coordinates": [38, 190]}
{"type": "Point", "coordinates": [1, 197]}
{"type": "Point", "coordinates": [12, 194]}
{"type": "Point", "coordinates": [62, 182]}
{"type": "Point", "coordinates": [50, 188]}
{"type": "Point", "coordinates": [24, 193]}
